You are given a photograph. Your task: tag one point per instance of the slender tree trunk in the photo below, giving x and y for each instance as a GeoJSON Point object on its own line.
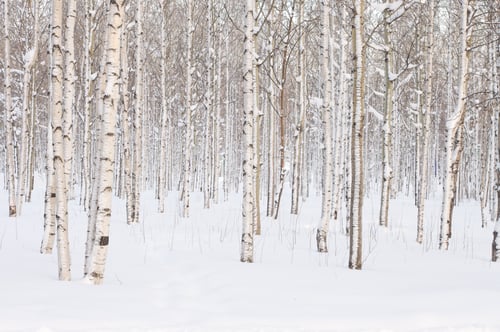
{"type": "Point", "coordinates": [188, 133]}
{"type": "Point", "coordinates": [454, 125]}
{"type": "Point", "coordinates": [299, 128]}
{"type": "Point", "coordinates": [56, 102]}
{"type": "Point", "coordinates": [422, 195]}
{"type": "Point", "coordinates": [387, 128]}
{"type": "Point", "coordinates": [30, 59]}
{"type": "Point", "coordinates": [107, 152]}
{"type": "Point", "coordinates": [9, 122]}
{"type": "Point", "coordinates": [327, 142]}
{"type": "Point", "coordinates": [49, 217]}
{"type": "Point", "coordinates": [164, 114]}
{"type": "Point", "coordinates": [248, 204]}
{"type": "Point", "coordinates": [358, 128]}
{"type": "Point", "coordinates": [69, 93]}
{"type": "Point", "coordinates": [139, 111]}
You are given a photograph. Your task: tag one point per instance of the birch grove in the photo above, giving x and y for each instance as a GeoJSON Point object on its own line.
{"type": "Point", "coordinates": [274, 103]}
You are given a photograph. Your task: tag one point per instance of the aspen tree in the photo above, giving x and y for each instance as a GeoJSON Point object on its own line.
{"type": "Point", "coordinates": [358, 126]}
{"type": "Point", "coordinates": [107, 152]}
{"type": "Point", "coordinates": [455, 127]}
{"type": "Point", "coordinates": [248, 204]}
{"type": "Point", "coordinates": [9, 125]}
{"type": "Point", "coordinates": [495, 247]}
{"type": "Point", "coordinates": [327, 141]}
{"type": "Point", "coordinates": [427, 125]}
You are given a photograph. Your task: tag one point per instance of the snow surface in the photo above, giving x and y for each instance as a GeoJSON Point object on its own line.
{"type": "Point", "coordinates": [184, 275]}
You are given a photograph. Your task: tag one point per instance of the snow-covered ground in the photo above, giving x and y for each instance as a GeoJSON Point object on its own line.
{"type": "Point", "coordinates": [184, 275]}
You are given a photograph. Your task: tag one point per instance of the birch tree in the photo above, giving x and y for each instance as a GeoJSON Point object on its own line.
{"type": "Point", "coordinates": [188, 133]}
{"type": "Point", "coordinates": [9, 126]}
{"type": "Point", "coordinates": [248, 204]}
{"type": "Point", "coordinates": [358, 126]}
{"type": "Point", "coordinates": [107, 152]}
{"type": "Point", "coordinates": [424, 174]}
{"type": "Point", "coordinates": [300, 126]}
{"type": "Point", "coordinates": [388, 110]}
{"type": "Point", "coordinates": [455, 126]}
{"type": "Point", "coordinates": [56, 102]}
{"type": "Point", "coordinates": [164, 115]}
{"type": "Point", "coordinates": [30, 59]}
{"type": "Point", "coordinates": [69, 91]}
{"type": "Point", "coordinates": [327, 143]}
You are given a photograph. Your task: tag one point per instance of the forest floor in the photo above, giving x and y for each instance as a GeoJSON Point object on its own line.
{"type": "Point", "coordinates": [184, 275]}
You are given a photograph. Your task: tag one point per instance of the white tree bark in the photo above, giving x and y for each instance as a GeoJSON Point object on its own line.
{"type": "Point", "coordinates": [164, 114]}
{"type": "Point", "coordinates": [49, 216]}
{"type": "Point", "coordinates": [327, 143]}
{"type": "Point", "coordinates": [56, 101]}
{"type": "Point", "coordinates": [188, 133]}
{"type": "Point", "coordinates": [107, 152]}
{"type": "Point", "coordinates": [358, 124]}
{"type": "Point", "coordinates": [387, 128]}
{"type": "Point", "coordinates": [69, 92]}
{"type": "Point", "coordinates": [139, 110]}
{"type": "Point", "coordinates": [248, 204]}
{"type": "Point", "coordinates": [454, 126]}
{"type": "Point", "coordinates": [30, 59]}
{"type": "Point", "coordinates": [427, 126]}
{"type": "Point", "coordinates": [9, 126]}
{"type": "Point", "coordinates": [299, 128]}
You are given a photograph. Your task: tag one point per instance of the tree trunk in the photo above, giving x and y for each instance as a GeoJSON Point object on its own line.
{"type": "Point", "coordinates": [327, 143]}
{"type": "Point", "coordinates": [188, 127]}
{"type": "Point", "coordinates": [299, 128]}
{"type": "Point", "coordinates": [69, 93]}
{"type": "Point", "coordinates": [358, 127]}
{"type": "Point", "coordinates": [107, 152]}
{"type": "Point", "coordinates": [387, 128]}
{"type": "Point", "coordinates": [9, 122]}
{"type": "Point", "coordinates": [164, 114]}
{"type": "Point", "coordinates": [248, 204]}
{"type": "Point", "coordinates": [30, 59]}
{"type": "Point", "coordinates": [422, 195]}
{"type": "Point", "coordinates": [56, 103]}
{"type": "Point", "coordinates": [454, 125]}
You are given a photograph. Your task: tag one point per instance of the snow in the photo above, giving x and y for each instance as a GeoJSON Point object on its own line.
{"type": "Point", "coordinates": [174, 274]}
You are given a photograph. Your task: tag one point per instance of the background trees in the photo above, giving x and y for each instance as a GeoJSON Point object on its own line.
{"type": "Point", "coordinates": [274, 99]}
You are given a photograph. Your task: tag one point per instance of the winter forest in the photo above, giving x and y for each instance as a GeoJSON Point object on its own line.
{"type": "Point", "coordinates": [349, 149]}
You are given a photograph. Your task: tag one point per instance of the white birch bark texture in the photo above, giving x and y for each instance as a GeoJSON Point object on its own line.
{"type": "Point", "coordinates": [495, 254]}
{"type": "Point", "coordinates": [356, 206]}
{"type": "Point", "coordinates": [454, 126]}
{"type": "Point", "coordinates": [248, 204]}
{"type": "Point", "coordinates": [56, 101]}
{"type": "Point", "coordinates": [88, 92]}
{"type": "Point", "coordinates": [427, 126]}
{"type": "Point", "coordinates": [9, 128]}
{"type": "Point", "coordinates": [299, 128]}
{"type": "Point", "coordinates": [328, 168]}
{"type": "Point", "coordinates": [164, 114]}
{"type": "Point", "coordinates": [139, 110]}
{"type": "Point", "coordinates": [188, 133]}
{"type": "Point", "coordinates": [29, 59]}
{"type": "Point", "coordinates": [107, 151]}
{"type": "Point", "coordinates": [387, 128]}
{"type": "Point", "coordinates": [69, 92]}
{"type": "Point", "coordinates": [49, 216]}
